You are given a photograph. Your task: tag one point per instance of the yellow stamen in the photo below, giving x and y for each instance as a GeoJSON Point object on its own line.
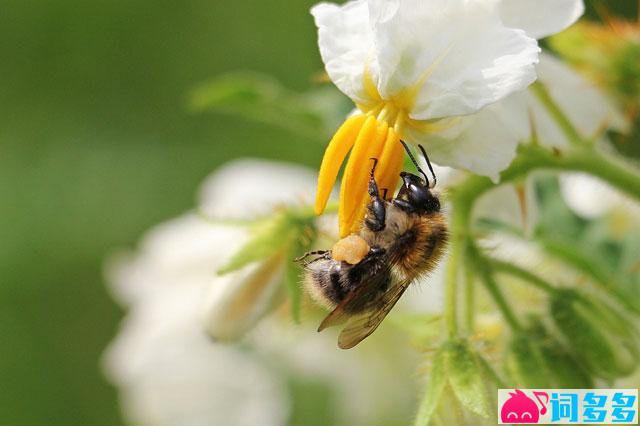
{"type": "Point", "coordinates": [334, 156]}
{"type": "Point", "coordinates": [387, 172]}
{"type": "Point", "coordinates": [376, 134]}
{"type": "Point", "coordinates": [393, 157]}
{"type": "Point", "coordinates": [356, 176]}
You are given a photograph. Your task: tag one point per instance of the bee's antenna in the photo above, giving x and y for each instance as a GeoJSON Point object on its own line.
{"type": "Point", "coordinates": [415, 163]}
{"type": "Point", "coordinates": [426, 157]}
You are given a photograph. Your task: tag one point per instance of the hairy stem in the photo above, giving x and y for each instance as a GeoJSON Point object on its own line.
{"type": "Point", "coordinates": [469, 301]}
{"type": "Point", "coordinates": [523, 274]}
{"type": "Point", "coordinates": [485, 271]}
{"type": "Point", "coordinates": [531, 157]}
{"type": "Point", "coordinates": [569, 130]}
{"type": "Point", "coordinates": [459, 227]}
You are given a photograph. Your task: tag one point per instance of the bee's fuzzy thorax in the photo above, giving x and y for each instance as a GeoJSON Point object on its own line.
{"type": "Point", "coordinates": [416, 241]}
{"type": "Point", "coordinates": [427, 245]}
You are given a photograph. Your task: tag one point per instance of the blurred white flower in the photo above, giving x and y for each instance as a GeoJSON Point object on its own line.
{"type": "Point", "coordinates": [591, 198]}
{"type": "Point", "coordinates": [365, 390]}
{"type": "Point", "coordinates": [167, 368]}
{"type": "Point", "coordinates": [410, 66]}
{"type": "Point", "coordinates": [242, 190]}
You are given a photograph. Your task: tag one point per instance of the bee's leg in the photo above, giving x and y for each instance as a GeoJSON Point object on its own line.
{"type": "Point", "coordinates": [376, 217]}
{"type": "Point", "coordinates": [323, 257]}
{"type": "Point", "coordinates": [404, 205]}
{"type": "Point", "coordinates": [322, 254]}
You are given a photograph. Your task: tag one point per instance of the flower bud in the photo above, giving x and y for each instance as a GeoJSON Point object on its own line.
{"type": "Point", "coordinates": [238, 300]}
{"type": "Point", "coordinates": [526, 365]}
{"type": "Point", "coordinates": [544, 363]}
{"type": "Point", "coordinates": [254, 280]}
{"type": "Point", "coordinates": [459, 390]}
{"type": "Point", "coordinates": [607, 352]}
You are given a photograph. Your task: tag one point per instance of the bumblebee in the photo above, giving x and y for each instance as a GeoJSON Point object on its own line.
{"type": "Point", "coordinates": [364, 275]}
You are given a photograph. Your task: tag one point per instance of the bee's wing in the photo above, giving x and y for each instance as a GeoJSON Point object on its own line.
{"type": "Point", "coordinates": [338, 315]}
{"type": "Point", "coordinates": [357, 297]}
{"type": "Point", "coordinates": [361, 326]}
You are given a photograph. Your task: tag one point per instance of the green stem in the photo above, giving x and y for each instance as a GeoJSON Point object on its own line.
{"type": "Point", "coordinates": [492, 373]}
{"type": "Point", "coordinates": [469, 300]}
{"type": "Point", "coordinates": [485, 271]}
{"type": "Point", "coordinates": [569, 130]}
{"type": "Point", "coordinates": [531, 157]}
{"type": "Point", "coordinates": [592, 267]}
{"type": "Point", "coordinates": [523, 274]}
{"type": "Point", "coordinates": [459, 227]}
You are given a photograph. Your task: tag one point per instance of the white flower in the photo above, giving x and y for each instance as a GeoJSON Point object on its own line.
{"type": "Point", "coordinates": [410, 66]}
{"type": "Point", "coordinates": [167, 368]}
{"type": "Point", "coordinates": [507, 123]}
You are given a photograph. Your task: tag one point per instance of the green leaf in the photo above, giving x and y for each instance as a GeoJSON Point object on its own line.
{"type": "Point", "coordinates": [314, 114]}
{"type": "Point", "coordinates": [466, 378]}
{"type": "Point", "coordinates": [435, 387]}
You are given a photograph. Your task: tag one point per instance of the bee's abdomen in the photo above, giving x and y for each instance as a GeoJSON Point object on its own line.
{"type": "Point", "coordinates": [329, 281]}
{"type": "Point", "coordinates": [324, 281]}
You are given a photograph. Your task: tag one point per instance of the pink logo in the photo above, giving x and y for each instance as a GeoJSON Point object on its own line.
{"type": "Point", "coordinates": [519, 408]}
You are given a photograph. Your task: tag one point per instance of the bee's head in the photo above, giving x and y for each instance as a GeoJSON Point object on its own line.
{"type": "Point", "coordinates": [418, 194]}
{"type": "Point", "coordinates": [415, 194]}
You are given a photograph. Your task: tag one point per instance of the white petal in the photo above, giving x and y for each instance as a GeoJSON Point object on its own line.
{"type": "Point", "coordinates": [465, 55]}
{"type": "Point", "coordinates": [586, 107]}
{"type": "Point", "coordinates": [346, 44]}
{"type": "Point", "coordinates": [487, 141]}
{"type": "Point", "coordinates": [540, 18]}
{"type": "Point", "coordinates": [248, 188]}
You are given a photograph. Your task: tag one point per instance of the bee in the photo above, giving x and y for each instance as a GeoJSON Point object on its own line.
{"type": "Point", "coordinates": [364, 275]}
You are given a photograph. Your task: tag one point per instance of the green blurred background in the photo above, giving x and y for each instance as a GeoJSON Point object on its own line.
{"type": "Point", "coordinates": [97, 145]}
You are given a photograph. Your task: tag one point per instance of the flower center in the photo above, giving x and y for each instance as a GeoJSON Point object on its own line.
{"type": "Point", "coordinates": [374, 134]}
